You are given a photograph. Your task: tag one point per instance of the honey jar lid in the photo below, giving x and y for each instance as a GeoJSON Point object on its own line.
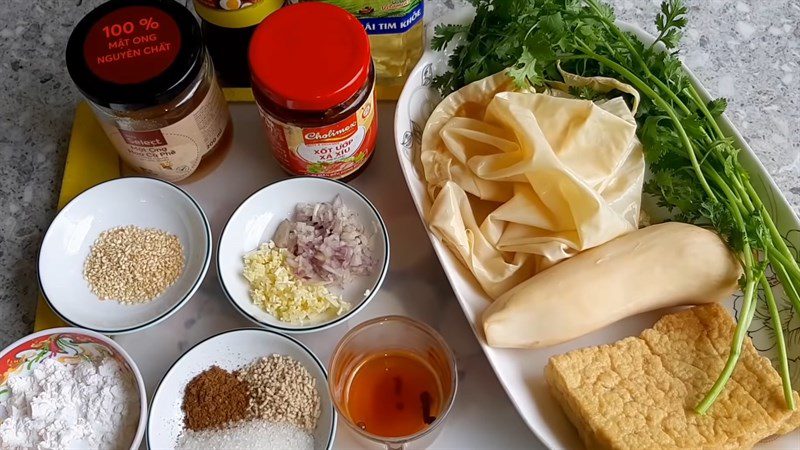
{"type": "Point", "coordinates": [310, 56]}
{"type": "Point", "coordinates": [133, 54]}
{"type": "Point", "coordinates": [235, 13]}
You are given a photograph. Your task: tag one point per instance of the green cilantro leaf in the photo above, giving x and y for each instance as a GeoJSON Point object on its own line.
{"type": "Point", "coordinates": [525, 72]}
{"type": "Point", "coordinates": [444, 33]}
{"type": "Point", "coordinates": [717, 106]}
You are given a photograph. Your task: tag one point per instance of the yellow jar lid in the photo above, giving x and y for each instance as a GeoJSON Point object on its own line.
{"type": "Point", "coordinates": [237, 18]}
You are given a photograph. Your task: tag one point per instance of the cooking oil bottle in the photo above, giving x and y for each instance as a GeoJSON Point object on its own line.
{"type": "Point", "coordinates": [396, 36]}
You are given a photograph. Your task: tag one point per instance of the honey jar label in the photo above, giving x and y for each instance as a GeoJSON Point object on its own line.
{"type": "Point", "coordinates": [331, 151]}
{"type": "Point", "coordinates": [173, 152]}
{"type": "Point", "coordinates": [132, 45]}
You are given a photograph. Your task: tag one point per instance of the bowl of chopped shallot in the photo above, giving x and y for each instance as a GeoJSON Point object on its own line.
{"type": "Point", "coordinates": [303, 254]}
{"type": "Point", "coordinates": [124, 255]}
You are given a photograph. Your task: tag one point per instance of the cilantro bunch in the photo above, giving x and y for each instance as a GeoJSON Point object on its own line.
{"type": "Point", "coordinates": [696, 171]}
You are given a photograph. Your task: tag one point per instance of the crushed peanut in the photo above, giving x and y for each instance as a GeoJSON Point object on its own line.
{"type": "Point", "coordinates": [282, 390]}
{"type": "Point", "coordinates": [133, 265]}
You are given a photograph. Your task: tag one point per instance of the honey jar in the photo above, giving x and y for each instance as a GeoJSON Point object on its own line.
{"type": "Point", "coordinates": [143, 68]}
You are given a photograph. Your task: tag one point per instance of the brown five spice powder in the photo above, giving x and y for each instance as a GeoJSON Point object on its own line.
{"type": "Point", "coordinates": [215, 398]}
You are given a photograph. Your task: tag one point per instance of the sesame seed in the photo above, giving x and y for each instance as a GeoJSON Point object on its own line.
{"type": "Point", "coordinates": [133, 265]}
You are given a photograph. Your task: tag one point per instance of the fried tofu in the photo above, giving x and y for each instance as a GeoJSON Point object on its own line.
{"type": "Point", "coordinates": [640, 392]}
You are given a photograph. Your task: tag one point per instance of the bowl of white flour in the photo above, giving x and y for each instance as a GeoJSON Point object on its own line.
{"type": "Point", "coordinates": [70, 388]}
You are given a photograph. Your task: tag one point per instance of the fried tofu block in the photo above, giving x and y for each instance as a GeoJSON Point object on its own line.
{"type": "Point", "coordinates": [640, 392]}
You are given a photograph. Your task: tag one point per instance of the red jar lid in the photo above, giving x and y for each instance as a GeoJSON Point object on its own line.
{"type": "Point", "coordinates": [310, 56]}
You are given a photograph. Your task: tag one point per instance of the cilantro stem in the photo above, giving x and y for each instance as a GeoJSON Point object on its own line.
{"type": "Point", "coordinates": [769, 246]}
{"type": "Point", "coordinates": [723, 186]}
{"type": "Point", "coordinates": [734, 177]}
{"type": "Point", "coordinates": [639, 84]}
{"type": "Point", "coordinates": [746, 315]}
{"type": "Point", "coordinates": [786, 379]}
{"type": "Point", "coordinates": [742, 325]}
{"type": "Point", "coordinates": [737, 183]}
{"type": "Point", "coordinates": [786, 283]}
{"type": "Point", "coordinates": [783, 260]}
{"type": "Point", "coordinates": [658, 38]}
{"type": "Point", "coordinates": [776, 235]}
{"type": "Point", "coordinates": [612, 27]}
{"type": "Point", "coordinates": [674, 97]}
{"type": "Point", "coordinates": [702, 105]}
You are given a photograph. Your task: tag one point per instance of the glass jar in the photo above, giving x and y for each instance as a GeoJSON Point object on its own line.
{"type": "Point", "coordinates": [142, 66]}
{"type": "Point", "coordinates": [313, 81]}
{"type": "Point", "coordinates": [227, 27]}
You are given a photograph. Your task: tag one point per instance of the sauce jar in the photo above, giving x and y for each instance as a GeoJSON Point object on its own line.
{"type": "Point", "coordinates": [142, 66]}
{"type": "Point", "coordinates": [227, 27]}
{"type": "Point", "coordinates": [313, 81]}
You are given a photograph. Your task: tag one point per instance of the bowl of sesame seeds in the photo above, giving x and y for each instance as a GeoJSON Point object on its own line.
{"type": "Point", "coordinates": [124, 255]}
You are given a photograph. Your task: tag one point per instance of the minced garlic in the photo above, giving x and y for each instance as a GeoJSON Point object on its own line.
{"type": "Point", "coordinates": [276, 290]}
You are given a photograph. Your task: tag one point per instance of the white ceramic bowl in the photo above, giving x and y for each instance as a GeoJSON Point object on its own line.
{"type": "Point", "coordinates": [255, 222]}
{"type": "Point", "coordinates": [231, 350]}
{"type": "Point", "coordinates": [68, 343]}
{"type": "Point", "coordinates": [144, 202]}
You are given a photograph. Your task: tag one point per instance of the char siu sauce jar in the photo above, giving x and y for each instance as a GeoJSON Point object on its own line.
{"type": "Point", "coordinates": [313, 80]}
{"type": "Point", "coordinates": [142, 67]}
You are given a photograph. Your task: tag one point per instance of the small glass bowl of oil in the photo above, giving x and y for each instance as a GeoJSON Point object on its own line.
{"type": "Point", "coordinates": [393, 380]}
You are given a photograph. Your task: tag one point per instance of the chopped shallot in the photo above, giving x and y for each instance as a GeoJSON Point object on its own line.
{"type": "Point", "coordinates": [326, 243]}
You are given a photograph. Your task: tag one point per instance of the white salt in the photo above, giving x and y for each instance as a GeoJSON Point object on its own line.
{"type": "Point", "coordinates": [248, 435]}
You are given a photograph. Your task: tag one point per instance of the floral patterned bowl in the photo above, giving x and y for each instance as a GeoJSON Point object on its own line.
{"type": "Point", "coordinates": [70, 345]}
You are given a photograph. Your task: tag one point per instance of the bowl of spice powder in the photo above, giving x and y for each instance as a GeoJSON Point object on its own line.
{"type": "Point", "coordinates": [248, 388]}
{"type": "Point", "coordinates": [124, 255]}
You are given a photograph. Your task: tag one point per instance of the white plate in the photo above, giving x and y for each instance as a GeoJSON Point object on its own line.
{"type": "Point", "coordinates": [231, 350]}
{"type": "Point", "coordinates": [144, 202]}
{"type": "Point", "coordinates": [521, 371]}
{"type": "Point", "coordinates": [255, 222]}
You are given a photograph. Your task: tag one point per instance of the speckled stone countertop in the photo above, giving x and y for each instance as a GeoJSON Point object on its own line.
{"type": "Point", "coordinates": [748, 51]}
